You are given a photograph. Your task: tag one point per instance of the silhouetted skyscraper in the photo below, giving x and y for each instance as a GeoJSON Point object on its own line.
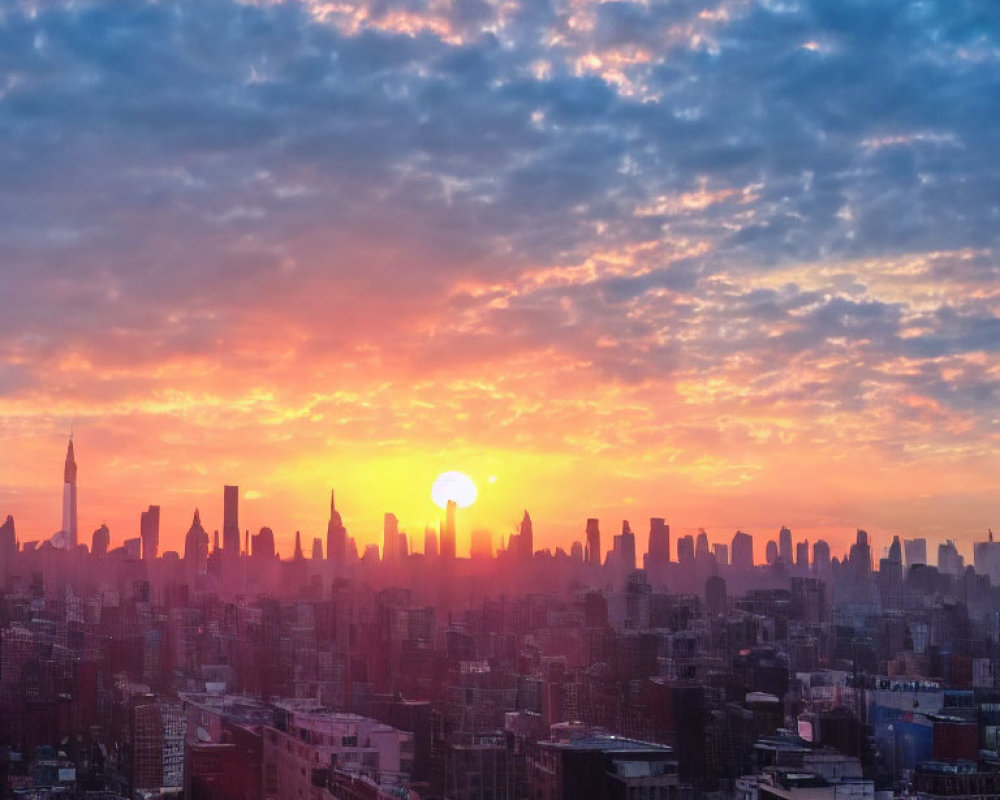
{"type": "Point", "coordinates": [915, 551]}
{"type": "Point", "coordinates": [685, 550]}
{"type": "Point", "coordinates": [336, 534]}
{"type": "Point", "coordinates": [785, 545]}
{"type": "Point", "coordinates": [659, 541]}
{"type": "Point", "coordinates": [771, 552]}
{"type": "Point", "coordinates": [149, 532]}
{"type": "Point", "coordinates": [317, 551]}
{"type": "Point", "coordinates": [448, 532]}
{"type": "Point", "coordinates": [196, 548]}
{"type": "Point", "coordinates": [527, 538]}
{"type": "Point", "coordinates": [721, 553]}
{"type": "Point", "coordinates": [592, 554]}
{"type": "Point", "coordinates": [69, 523]}
{"type": "Point", "coordinates": [99, 542]}
{"type": "Point", "coordinates": [297, 553]}
{"type": "Point", "coordinates": [430, 542]}
{"type": "Point", "coordinates": [625, 548]}
{"type": "Point", "coordinates": [821, 557]}
{"type": "Point", "coordinates": [742, 550]}
{"type": "Point", "coordinates": [231, 522]}
{"type": "Point", "coordinates": [263, 544]}
{"type": "Point", "coordinates": [390, 538]}
{"type": "Point", "coordinates": [802, 555]}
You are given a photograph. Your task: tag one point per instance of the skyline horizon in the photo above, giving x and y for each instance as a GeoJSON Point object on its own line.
{"type": "Point", "coordinates": [284, 539]}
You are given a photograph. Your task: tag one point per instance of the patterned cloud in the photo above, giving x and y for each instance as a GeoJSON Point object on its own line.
{"type": "Point", "coordinates": [730, 262]}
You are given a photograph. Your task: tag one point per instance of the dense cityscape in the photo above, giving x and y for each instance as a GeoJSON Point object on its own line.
{"type": "Point", "coordinates": [226, 672]}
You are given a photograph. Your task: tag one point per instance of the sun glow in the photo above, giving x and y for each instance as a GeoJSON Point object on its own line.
{"type": "Point", "coordinates": [455, 486]}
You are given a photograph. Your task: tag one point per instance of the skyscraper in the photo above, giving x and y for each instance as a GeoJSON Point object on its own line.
{"type": "Point", "coordinates": [593, 551]}
{"type": "Point", "coordinates": [785, 545]}
{"type": "Point", "coordinates": [336, 534]}
{"type": "Point", "coordinates": [430, 541]}
{"type": "Point", "coordinates": [69, 523]}
{"type": "Point", "coordinates": [915, 550]}
{"type": "Point", "coordinates": [742, 550]}
{"type": "Point", "coordinates": [448, 532]}
{"type": "Point", "coordinates": [659, 541]}
{"type": "Point", "coordinates": [231, 523]}
{"type": "Point", "coordinates": [149, 532]}
{"type": "Point", "coordinates": [390, 538]}
{"type": "Point", "coordinates": [527, 538]}
{"type": "Point", "coordinates": [685, 550]}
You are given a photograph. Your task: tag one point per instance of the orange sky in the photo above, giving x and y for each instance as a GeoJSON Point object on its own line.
{"type": "Point", "coordinates": [628, 259]}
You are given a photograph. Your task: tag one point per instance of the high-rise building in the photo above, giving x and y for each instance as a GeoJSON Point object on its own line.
{"type": "Point", "coordinates": [297, 552]}
{"type": "Point", "coordinates": [592, 554]}
{"type": "Point", "coordinates": [527, 538]}
{"type": "Point", "coordinates": [390, 538]}
{"type": "Point", "coordinates": [231, 522]}
{"type": "Point", "coordinates": [742, 549]}
{"type": "Point", "coordinates": [950, 560]}
{"type": "Point", "coordinates": [685, 550]}
{"type": "Point", "coordinates": [448, 532]}
{"type": "Point", "coordinates": [701, 548]}
{"type": "Point", "coordinates": [69, 521]}
{"type": "Point", "coordinates": [721, 553]}
{"type": "Point", "coordinates": [430, 541]}
{"type": "Point", "coordinates": [785, 545]}
{"type": "Point", "coordinates": [336, 534]}
{"type": "Point", "coordinates": [100, 541]}
{"type": "Point", "coordinates": [915, 551]}
{"type": "Point", "coordinates": [149, 532]}
{"type": "Point", "coordinates": [317, 549]}
{"type": "Point", "coordinates": [821, 557]}
{"type": "Point", "coordinates": [659, 541]}
{"type": "Point", "coordinates": [771, 552]}
{"type": "Point", "coordinates": [624, 547]}
{"type": "Point", "coordinates": [196, 548]}
{"type": "Point", "coordinates": [802, 555]}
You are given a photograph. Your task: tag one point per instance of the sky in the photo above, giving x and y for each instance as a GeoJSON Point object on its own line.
{"type": "Point", "coordinates": [729, 262]}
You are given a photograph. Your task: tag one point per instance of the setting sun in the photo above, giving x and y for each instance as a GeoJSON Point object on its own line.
{"type": "Point", "coordinates": [455, 486]}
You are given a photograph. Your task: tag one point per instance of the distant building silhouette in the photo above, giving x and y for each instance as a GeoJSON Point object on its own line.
{"type": "Point", "coordinates": [821, 557]}
{"type": "Point", "coordinates": [336, 534]}
{"type": "Point", "coordinates": [231, 522]}
{"type": "Point", "coordinates": [69, 519]}
{"type": "Point", "coordinates": [430, 541]}
{"type": "Point", "coordinates": [915, 551]}
{"type": "Point", "coordinates": [297, 553]}
{"type": "Point", "coordinates": [659, 541]}
{"type": "Point", "coordinates": [390, 538]}
{"type": "Point", "coordinates": [742, 550]}
{"type": "Point", "coordinates": [592, 554]}
{"type": "Point", "coordinates": [317, 549]}
{"type": "Point", "coordinates": [802, 555]}
{"type": "Point", "coordinates": [448, 532]}
{"type": "Point", "coordinates": [196, 548]}
{"type": "Point", "coordinates": [149, 532]}
{"type": "Point", "coordinates": [100, 541]}
{"type": "Point", "coordinates": [526, 539]}
{"type": "Point", "coordinates": [785, 545]}
{"type": "Point", "coordinates": [685, 550]}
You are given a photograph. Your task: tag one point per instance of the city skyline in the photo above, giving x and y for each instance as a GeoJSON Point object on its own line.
{"type": "Point", "coordinates": [732, 262]}
{"type": "Point", "coordinates": [230, 534]}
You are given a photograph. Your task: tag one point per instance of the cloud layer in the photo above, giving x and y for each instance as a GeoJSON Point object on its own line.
{"type": "Point", "coordinates": [730, 262]}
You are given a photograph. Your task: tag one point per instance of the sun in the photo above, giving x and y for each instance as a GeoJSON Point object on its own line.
{"type": "Point", "coordinates": [455, 486]}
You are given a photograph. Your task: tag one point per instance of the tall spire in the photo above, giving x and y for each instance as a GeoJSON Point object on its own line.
{"type": "Point", "coordinates": [69, 522]}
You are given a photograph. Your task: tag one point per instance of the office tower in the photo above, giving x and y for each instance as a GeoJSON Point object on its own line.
{"type": "Point", "coordinates": [430, 541]}
{"type": "Point", "coordinates": [149, 532]}
{"type": "Point", "coordinates": [721, 553]}
{"type": "Point", "coordinates": [593, 551]}
{"type": "Point", "coordinates": [821, 557]}
{"type": "Point", "coordinates": [986, 558]}
{"type": "Point", "coordinates": [701, 548]}
{"type": "Point", "coordinates": [390, 538]}
{"type": "Point", "coordinates": [336, 534]}
{"type": "Point", "coordinates": [403, 546]}
{"type": "Point", "coordinates": [263, 544]}
{"type": "Point", "coordinates": [297, 553]}
{"type": "Point", "coordinates": [99, 542]}
{"type": "Point", "coordinates": [576, 552]}
{"type": "Point", "coordinates": [785, 545]}
{"type": "Point", "coordinates": [949, 560]}
{"type": "Point", "coordinates": [481, 544]}
{"type": "Point", "coordinates": [742, 549]}
{"type": "Point", "coordinates": [625, 548]}
{"type": "Point", "coordinates": [526, 538]}
{"type": "Point", "coordinates": [196, 547]}
{"type": "Point", "coordinates": [659, 541]}
{"type": "Point", "coordinates": [231, 523]}
{"type": "Point", "coordinates": [716, 602]}
{"type": "Point", "coordinates": [916, 551]}
{"type": "Point", "coordinates": [448, 532]}
{"type": "Point", "coordinates": [771, 552]}
{"type": "Point", "coordinates": [69, 521]}
{"type": "Point", "coordinates": [890, 577]}
{"type": "Point", "coordinates": [802, 555]}
{"type": "Point", "coordinates": [317, 550]}
{"type": "Point", "coordinates": [685, 550]}
{"type": "Point", "coordinates": [860, 557]}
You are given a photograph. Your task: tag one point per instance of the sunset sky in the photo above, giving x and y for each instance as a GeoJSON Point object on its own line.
{"type": "Point", "coordinates": [730, 263]}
